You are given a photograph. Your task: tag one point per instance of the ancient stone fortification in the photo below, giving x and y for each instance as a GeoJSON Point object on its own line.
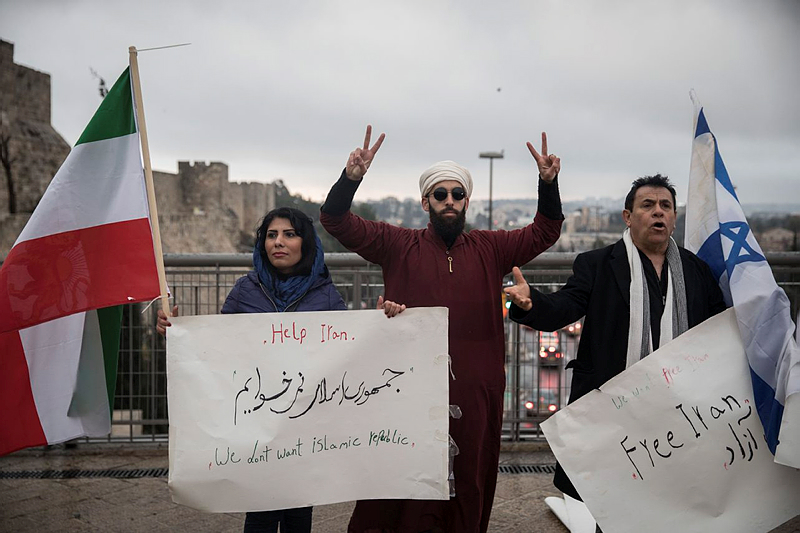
{"type": "Point", "coordinates": [199, 209]}
{"type": "Point", "coordinates": [30, 149]}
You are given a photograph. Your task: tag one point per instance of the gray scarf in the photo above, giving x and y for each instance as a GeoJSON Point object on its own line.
{"type": "Point", "coordinates": [674, 321]}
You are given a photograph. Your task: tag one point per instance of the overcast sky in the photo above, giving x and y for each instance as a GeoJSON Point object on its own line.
{"type": "Point", "coordinates": [284, 90]}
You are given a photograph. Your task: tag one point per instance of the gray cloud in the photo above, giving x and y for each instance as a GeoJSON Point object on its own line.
{"type": "Point", "coordinates": [284, 90]}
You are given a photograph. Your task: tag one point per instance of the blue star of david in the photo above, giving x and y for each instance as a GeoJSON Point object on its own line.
{"type": "Point", "coordinates": [741, 252]}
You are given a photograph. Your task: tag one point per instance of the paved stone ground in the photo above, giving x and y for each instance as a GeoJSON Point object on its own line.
{"type": "Point", "coordinates": [144, 504]}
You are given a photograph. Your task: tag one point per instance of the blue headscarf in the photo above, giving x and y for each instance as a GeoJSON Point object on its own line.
{"type": "Point", "coordinates": [285, 292]}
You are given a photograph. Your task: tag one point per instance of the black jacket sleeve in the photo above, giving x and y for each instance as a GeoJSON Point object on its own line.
{"type": "Point", "coordinates": [550, 200]}
{"type": "Point", "coordinates": [340, 197]}
{"type": "Point", "coordinates": [553, 311]}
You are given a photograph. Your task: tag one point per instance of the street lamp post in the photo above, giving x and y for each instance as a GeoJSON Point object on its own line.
{"type": "Point", "coordinates": [491, 156]}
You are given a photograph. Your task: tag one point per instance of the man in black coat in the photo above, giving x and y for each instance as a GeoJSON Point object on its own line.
{"type": "Point", "coordinates": [627, 316]}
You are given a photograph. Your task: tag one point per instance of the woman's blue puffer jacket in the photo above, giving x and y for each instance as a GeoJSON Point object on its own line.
{"type": "Point", "coordinates": [250, 296]}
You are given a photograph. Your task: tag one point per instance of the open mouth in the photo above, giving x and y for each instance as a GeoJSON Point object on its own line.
{"type": "Point", "coordinates": [659, 226]}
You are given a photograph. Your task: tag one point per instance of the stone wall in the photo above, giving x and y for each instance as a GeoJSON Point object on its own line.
{"type": "Point", "coordinates": [38, 151]}
{"type": "Point", "coordinates": [199, 210]}
{"type": "Point", "coordinates": [35, 149]}
{"type": "Point", "coordinates": [250, 202]}
{"type": "Point", "coordinates": [203, 184]}
{"type": "Point", "coordinates": [10, 228]}
{"type": "Point", "coordinates": [24, 90]}
{"type": "Point", "coordinates": [198, 234]}
{"type": "Point", "coordinates": [168, 191]}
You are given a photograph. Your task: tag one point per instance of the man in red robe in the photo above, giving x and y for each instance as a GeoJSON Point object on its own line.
{"type": "Point", "coordinates": [443, 266]}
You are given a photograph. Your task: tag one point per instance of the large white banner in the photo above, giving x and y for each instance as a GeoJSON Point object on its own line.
{"type": "Point", "coordinates": [280, 410]}
{"type": "Point", "coordinates": [674, 443]}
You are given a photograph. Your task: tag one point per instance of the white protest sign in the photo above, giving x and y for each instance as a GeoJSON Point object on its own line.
{"type": "Point", "coordinates": [674, 443]}
{"type": "Point", "coordinates": [281, 410]}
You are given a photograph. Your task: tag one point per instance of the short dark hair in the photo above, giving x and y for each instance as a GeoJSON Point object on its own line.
{"type": "Point", "coordinates": [304, 227]}
{"type": "Point", "coordinates": [653, 181]}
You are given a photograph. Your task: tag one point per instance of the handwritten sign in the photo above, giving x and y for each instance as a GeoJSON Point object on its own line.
{"type": "Point", "coordinates": [674, 443]}
{"type": "Point", "coordinates": [273, 411]}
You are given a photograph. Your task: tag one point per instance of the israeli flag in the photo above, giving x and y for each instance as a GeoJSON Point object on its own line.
{"type": "Point", "coordinates": [717, 231]}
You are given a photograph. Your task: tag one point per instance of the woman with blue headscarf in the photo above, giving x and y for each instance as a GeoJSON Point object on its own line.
{"type": "Point", "coordinates": [289, 274]}
{"type": "Point", "coordinates": [289, 269]}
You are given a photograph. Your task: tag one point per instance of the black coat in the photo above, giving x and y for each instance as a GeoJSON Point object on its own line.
{"type": "Point", "coordinates": [599, 289]}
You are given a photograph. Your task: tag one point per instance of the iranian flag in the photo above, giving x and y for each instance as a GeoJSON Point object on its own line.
{"type": "Point", "coordinates": [87, 248]}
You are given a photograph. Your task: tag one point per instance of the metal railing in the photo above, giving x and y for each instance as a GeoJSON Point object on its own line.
{"type": "Point", "coordinates": [537, 383]}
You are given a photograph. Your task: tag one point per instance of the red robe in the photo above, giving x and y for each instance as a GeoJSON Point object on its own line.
{"type": "Point", "coordinates": [419, 271]}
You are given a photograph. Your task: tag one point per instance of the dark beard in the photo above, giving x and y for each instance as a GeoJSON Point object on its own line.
{"type": "Point", "coordinates": [448, 229]}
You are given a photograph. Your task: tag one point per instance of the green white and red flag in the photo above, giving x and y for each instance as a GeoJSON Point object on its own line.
{"type": "Point", "coordinates": [87, 249]}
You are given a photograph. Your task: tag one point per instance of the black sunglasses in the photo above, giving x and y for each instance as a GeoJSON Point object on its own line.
{"type": "Point", "coordinates": [441, 194]}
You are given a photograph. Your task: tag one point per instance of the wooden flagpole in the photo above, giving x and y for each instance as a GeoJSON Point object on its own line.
{"type": "Point", "coordinates": [148, 178]}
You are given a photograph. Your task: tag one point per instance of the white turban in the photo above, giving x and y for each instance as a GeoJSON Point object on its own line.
{"type": "Point", "coordinates": [443, 171]}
